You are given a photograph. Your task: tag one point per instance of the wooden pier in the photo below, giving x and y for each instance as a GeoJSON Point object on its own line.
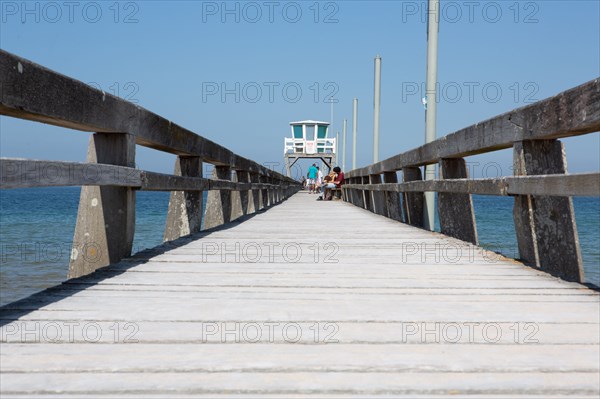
{"type": "Point", "coordinates": [271, 293]}
{"type": "Point", "coordinates": [372, 307]}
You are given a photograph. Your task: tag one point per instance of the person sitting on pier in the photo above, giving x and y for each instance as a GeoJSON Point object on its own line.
{"type": "Point", "coordinates": [338, 181]}
{"type": "Point", "coordinates": [327, 180]}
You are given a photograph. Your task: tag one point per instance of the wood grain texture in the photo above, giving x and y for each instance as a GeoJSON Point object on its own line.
{"type": "Point", "coordinates": [370, 308]}
{"type": "Point", "coordinates": [455, 210]}
{"type": "Point", "coordinates": [85, 108]}
{"type": "Point", "coordinates": [573, 112]}
{"type": "Point", "coordinates": [413, 203]}
{"type": "Point", "coordinates": [377, 198]}
{"type": "Point", "coordinates": [26, 173]}
{"type": "Point", "coordinates": [576, 185]}
{"type": "Point", "coordinates": [184, 215]}
{"type": "Point", "coordinates": [546, 227]}
{"type": "Point", "coordinates": [218, 202]}
{"type": "Point", "coordinates": [106, 215]}
{"type": "Point", "coordinates": [392, 198]}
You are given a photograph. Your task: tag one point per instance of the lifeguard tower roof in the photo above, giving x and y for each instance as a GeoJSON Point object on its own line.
{"type": "Point", "coordinates": [309, 122]}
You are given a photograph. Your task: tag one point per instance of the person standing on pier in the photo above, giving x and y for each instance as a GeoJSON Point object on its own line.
{"type": "Point", "coordinates": [319, 180]}
{"type": "Point", "coordinates": [312, 176]}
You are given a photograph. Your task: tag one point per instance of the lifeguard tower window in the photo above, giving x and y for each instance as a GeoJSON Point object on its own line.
{"type": "Point", "coordinates": [321, 134]}
{"type": "Point", "coordinates": [298, 132]}
{"type": "Point", "coordinates": [310, 133]}
{"type": "Point", "coordinates": [299, 139]}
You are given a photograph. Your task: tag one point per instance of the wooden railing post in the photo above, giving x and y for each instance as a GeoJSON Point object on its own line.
{"type": "Point", "coordinates": [239, 198]}
{"type": "Point", "coordinates": [392, 198]}
{"type": "Point", "coordinates": [455, 210]}
{"type": "Point", "coordinates": [413, 202]}
{"type": "Point", "coordinates": [244, 177]}
{"type": "Point", "coordinates": [276, 198]}
{"type": "Point", "coordinates": [378, 201]}
{"type": "Point", "coordinates": [218, 202]}
{"type": "Point", "coordinates": [106, 216]}
{"type": "Point", "coordinates": [347, 192]}
{"type": "Point", "coordinates": [278, 193]}
{"type": "Point", "coordinates": [359, 199]}
{"type": "Point", "coordinates": [184, 216]}
{"type": "Point", "coordinates": [285, 190]}
{"type": "Point", "coordinates": [254, 195]}
{"type": "Point", "coordinates": [271, 191]}
{"type": "Point", "coordinates": [264, 193]}
{"type": "Point", "coordinates": [366, 194]}
{"type": "Point", "coordinates": [545, 225]}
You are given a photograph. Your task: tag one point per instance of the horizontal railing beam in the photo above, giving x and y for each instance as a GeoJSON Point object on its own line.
{"type": "Point", "coordinates": [27, 173]}
{"type": "Point", "coordinates": [152, 181]}
{"type": "Point", "coordinates": [33, 92]}
{"type": "Point", "coordinates": [570, 113]}
{"type": "Point", "coordinates": [583, 184]}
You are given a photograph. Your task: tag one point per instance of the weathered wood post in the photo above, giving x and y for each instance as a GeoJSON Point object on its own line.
{"type": "Point", "coordinates": [545, 225]}
{"type": "Point", "coordinates": [254, 195]}
{"type": "Point", "coordinates": [366, 194]}
{"type": "Point", "coordinates": [218, 202]}
{"type": "Point", "coordinates": [244, 177]}
{"type": "Point", "coordinates": [270, 191]}
{"type": "Point", "coordinates": [278, 193]}
{"type": "Point", "coordinates": [378, 201]}
{"type": "Point", "coordinates": [275, 190]}
{"type": "Point", "coordinates": [239, 198]}
{"type": "Point", "coordinates": [455, 210]}
{"type": "Point", "coordinates": [359, 199]}
{"type": "Point", "coordinates": [392, 198]}
{"type": "Point", "coordinates": [264, 193]}
{"type": "Point", "coordinates": [184, 216]}
{"type": "Point", "coordinates": [412, 202]}
{"type": "Point", "coordinates": [106, 216]}
{"type": "Point", "coordinates": [347, 192]}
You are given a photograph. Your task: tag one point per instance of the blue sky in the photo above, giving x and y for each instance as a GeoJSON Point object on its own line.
{"type": "Point", "coordinates": [175, 58]}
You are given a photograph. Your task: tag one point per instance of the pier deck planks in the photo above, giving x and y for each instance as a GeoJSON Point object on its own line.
{"type": "Point", "coordinates": [339, 322]}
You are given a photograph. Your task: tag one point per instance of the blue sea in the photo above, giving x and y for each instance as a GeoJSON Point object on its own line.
{"type": "Point", "coordinates": [37, 225]}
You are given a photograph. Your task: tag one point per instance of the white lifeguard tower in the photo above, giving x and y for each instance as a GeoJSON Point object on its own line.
{"type": "Point", "coordinates": [309, 140]}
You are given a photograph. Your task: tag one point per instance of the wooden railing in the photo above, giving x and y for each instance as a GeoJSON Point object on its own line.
{"type": "Point", "coordinates": [543, 211]}
{"type": "Point", "coordinates": [106, 217]}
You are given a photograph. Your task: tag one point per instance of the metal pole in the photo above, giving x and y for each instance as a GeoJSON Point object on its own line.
{"type": "Point", "coordinates": [331, 121]}
{"type": "Point", "coordinates": [376, 106]}
{"type": "Point", "coordinates": [337, 148]}
{"type": "Point", "coordinates": [354, 124]}
{"type": "Point", "coordinates": [433, 14]}
{"type": "Point", "coordinates": [344, 145]}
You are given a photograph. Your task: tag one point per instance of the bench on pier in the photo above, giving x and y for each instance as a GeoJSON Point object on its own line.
{"type": "Point", "coordinates": [337, 193]}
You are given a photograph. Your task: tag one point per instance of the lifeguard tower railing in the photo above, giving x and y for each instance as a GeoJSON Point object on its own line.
{"type": "Point", "coordinates": [299, 146]}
